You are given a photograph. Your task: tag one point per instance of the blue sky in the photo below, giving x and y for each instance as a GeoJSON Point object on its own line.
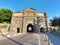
{"type": "Point", "coordinates": [51, 7]}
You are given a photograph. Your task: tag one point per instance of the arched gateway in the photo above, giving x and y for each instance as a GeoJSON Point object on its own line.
{"type": "Point", "coordinates": [29, 28]}
{"type": "Point", "coordinates": [28, 21]}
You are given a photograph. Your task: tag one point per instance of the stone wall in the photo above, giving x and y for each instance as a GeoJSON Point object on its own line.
{"type": "Point", "coordinates": [4, 28]}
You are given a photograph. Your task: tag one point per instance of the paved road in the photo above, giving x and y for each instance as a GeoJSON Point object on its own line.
{"type": "Point", "coordinates": [54, 39]}
{"type": "Point", "coordinates": [25, 39]}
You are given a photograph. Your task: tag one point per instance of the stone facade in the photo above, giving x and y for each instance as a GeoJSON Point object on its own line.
{"type": "Point", "coordinates": [4, 28]}
{"type": "Point", "coordinates": [20, 22]}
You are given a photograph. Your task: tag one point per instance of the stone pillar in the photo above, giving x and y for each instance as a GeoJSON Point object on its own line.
{"type": "Point", "coordinates": [46, 21]}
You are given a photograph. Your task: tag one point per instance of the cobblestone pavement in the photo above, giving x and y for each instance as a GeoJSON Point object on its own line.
{"type": "Point", "coordinates": [26, 39]}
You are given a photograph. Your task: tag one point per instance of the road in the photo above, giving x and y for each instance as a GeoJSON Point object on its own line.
{"type": "Point", "coordinates": [27, 39]}
{"type": "Point", "coordinates": [30, 39]}
{"type": "Point", "coordinates": [54, 39]}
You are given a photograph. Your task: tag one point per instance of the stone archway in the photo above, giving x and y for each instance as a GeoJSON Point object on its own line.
{"type": "Point", "coordinates": [29, 28]}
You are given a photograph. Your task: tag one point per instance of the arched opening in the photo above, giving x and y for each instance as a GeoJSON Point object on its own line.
{"type": "Point", "coordinates": [18, 30]}
{"type": "Point", "coordinates": [41, 29]}
{"type": "Point", "coordinates": [29, 28]}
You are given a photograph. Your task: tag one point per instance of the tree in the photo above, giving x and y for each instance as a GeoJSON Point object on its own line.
{"type": "Point", "coordinates": [5, 15]}
{"type": "Point", "coordinates": [55, 21]}
{"type": "Point", "coordinates": [17, 12]}
{"type": "Point", "coordinates": [59, 21]}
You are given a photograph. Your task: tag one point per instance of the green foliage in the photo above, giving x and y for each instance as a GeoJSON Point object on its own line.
{"type": "Point", "coordinates": [17, 12]}
{"type": "Point", "coordinates": [55, 21]}
{"type": "Point", "coordinates": [58, 28]}
{"type": "Point", "coordinates": [5, 15]}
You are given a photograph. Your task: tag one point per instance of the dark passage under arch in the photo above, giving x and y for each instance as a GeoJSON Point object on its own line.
{"type": "Point", "coordinates": [18, 30]}
{"type": "Point", "coordinates": [29, 28]}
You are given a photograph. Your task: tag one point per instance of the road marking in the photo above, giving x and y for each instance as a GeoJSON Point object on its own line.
{"type": "Point", "coordinates": [38, 38]}
{"type": "Point", "coordinates": [15, 34]}
{"type": "Point", "coordinates": [8, 35]}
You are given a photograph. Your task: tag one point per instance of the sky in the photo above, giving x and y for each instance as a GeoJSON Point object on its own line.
{"type": "Point", "coordinates": [51, 7]}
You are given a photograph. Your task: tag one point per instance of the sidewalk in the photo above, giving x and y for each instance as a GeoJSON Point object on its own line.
{"type": "Point", "coordinates": [45, 39]}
